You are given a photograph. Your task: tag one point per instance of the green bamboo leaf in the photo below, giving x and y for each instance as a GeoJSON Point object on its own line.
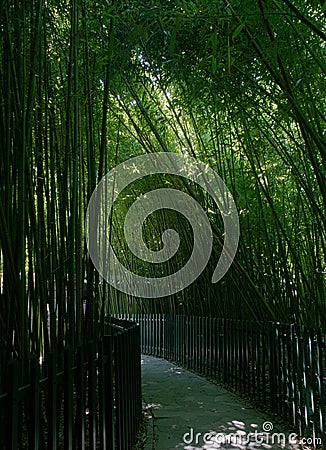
{"type": "Point", "coordinates": [237, 31]}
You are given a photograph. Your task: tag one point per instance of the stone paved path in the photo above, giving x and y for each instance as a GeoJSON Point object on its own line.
{"type": "Point", "coordinates": [182, 407]}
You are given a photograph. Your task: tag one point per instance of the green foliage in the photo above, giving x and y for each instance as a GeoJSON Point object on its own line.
{"type": "Point", "coordinates": [86, 85]}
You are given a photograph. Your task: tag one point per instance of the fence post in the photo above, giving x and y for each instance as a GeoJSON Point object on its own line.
{"type": "Point", "coordinates": [53, 401]}
{"type": "Point", "coordinates": [218, 351]}
{"type": "Point", "coordinates": [321, 387]}
{"type": "Point", "coordinates": [226, 351]}
{"type": "Point", "coordinates": [108, 392]}
{"type": "Point", "coordinates": [138, 372]}
{"type": "Point", "coordinates": [68, 398]}
{"type": "Point", "coordinates": [80, 406]}
{"type": "Point", "coordinates": [35, 404]}
{"type": "Point", "coordinates": [188, 341]}
{"type": "Point", "coordinates": [91, 388]}
{"type": "Point", "coordinates": [313, 376]}
{"type": "Point", "coordinates": [165, 338]}
{"type": "Point", "coordinates": [272, 365]}
{"type": "Point", "coordinates": [118, 393]}
{"type": "Point", "coordinates": [254, 358]}
{"type": "Point", "coordinates": [13, 406]}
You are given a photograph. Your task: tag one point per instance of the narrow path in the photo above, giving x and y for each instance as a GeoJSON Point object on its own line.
{"type": "Point", "coordinates": [181, 405]}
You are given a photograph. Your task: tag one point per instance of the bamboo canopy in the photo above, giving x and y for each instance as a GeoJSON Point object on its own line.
{"type": "Point", "coordinates": [87, 85]}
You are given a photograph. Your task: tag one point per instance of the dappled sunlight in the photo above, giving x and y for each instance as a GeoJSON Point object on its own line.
{"type": "Point", "coordinates": [237, 434]}
{"type": "Point", "coordinates": [152, 406]}
{"type": "Point", "coordinates": [175, 370]}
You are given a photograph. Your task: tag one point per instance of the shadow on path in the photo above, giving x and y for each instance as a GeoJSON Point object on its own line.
{"type": "Point", "coordinates": [188, 412]}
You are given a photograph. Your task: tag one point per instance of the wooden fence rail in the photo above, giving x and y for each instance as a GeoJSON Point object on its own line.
{"type": "Point", "coordinates": [93, 402]}
{"type": "Point", "coordinates": [281, 367]}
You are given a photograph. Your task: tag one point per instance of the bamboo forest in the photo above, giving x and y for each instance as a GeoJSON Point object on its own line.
{"type": "Point", "coordinates": [86, 86]}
